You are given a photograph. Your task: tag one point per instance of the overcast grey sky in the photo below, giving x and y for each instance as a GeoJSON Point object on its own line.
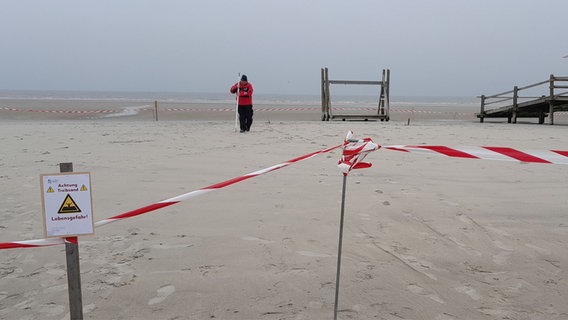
{"type": "Point", "coordinates": [432, 47]}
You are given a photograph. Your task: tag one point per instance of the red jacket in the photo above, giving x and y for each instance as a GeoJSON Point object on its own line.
{"type": "Point", "coordinates": [244, 93]}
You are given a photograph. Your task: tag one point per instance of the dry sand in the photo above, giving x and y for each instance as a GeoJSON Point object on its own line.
{"type": "Point", "coordinates": [426, 237]}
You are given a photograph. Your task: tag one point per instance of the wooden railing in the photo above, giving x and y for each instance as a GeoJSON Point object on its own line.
{"type": "Point", "coordinates": [557, 87]}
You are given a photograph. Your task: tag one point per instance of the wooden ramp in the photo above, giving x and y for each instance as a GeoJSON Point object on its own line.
{"type": "Point", "coordinates": [513, 105]}
{"type": "Point", "coordinates": [382, 111]}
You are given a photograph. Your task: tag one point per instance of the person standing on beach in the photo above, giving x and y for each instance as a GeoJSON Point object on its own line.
{"type": "Point", "coordinates": [243, 89]}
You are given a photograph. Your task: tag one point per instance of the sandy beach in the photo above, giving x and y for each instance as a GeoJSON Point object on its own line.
{"type": "Point", "coordinates": [426, 237]}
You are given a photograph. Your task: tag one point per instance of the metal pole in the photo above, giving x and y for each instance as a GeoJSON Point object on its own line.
{"type": "Point", "coordinates": [237, 106]}
{"type": "Point", "coordinates": [339, 248]}
{"type": "Point", "coordinates": [73, 270]}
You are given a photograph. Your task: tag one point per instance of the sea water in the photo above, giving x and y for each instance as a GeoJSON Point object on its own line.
{"type": "Point", "coordinates": [115, 99]}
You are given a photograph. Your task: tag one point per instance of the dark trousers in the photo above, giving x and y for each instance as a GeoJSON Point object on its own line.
{"type": "Point", "coordinates": [245, 117]}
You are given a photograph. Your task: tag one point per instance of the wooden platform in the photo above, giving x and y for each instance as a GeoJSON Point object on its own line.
{"type": "Point", "coordinates": [364, 117]}
{"type": "Point", "coordinates": [537, 108]}
{"type": "Point", "coordinates": [383, 104]}
{"type": "Point", "coordinates": [514, 106]}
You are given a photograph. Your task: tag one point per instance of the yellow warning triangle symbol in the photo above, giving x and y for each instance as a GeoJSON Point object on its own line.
{"type": "Point", "coordinates": [50, 190]}
{"type": "Point", "coordinates": [69, 206]}
{"type": "Point", "coordinates": [83, 188]}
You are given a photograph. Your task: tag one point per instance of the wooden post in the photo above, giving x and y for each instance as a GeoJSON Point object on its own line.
{"type": "Point", "coordinates": [515, 104]}
{"type": "Point", "coordinates": [327, 97]}
{"type": "Point", "coordinates": [482, 111]}
{"type": "Point", "coordinates": [73, 270]}
{"type": "Point", "coordinates": [322, 96]}
{"type": "Point", "coordinates": [387, 84]}
{"type": "Point", "coordinates": [551, 101]}
{"type": "Point", "coordinates": [382, 94]}
{"type": "Point", "coordinates": [66, 167]}
{"type": "Point", "coordinates": [156, 110]}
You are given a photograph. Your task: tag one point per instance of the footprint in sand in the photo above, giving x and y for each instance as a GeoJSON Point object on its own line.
{"type": "Point", "coordinates": [247, 238]}
{"type": "Point", "coordinates": [471, 292]}
{"type": "Point", "coordinates": [313, 254]}
{"type": "Point", "coordinates": [502, 258]}
{"type": "Point", "coordinates": [537, 249]}
{"type": "Point", "coordinates": [445, 316]}
{"type": "Point", "coordinates": [163, 293]}
{"type": "Point", "coordinates": [51, 309]}
{"type": "Point", "coordinates": [416, 289]}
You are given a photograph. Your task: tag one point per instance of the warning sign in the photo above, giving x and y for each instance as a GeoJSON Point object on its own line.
{"type": "Point", "coordinates": [67, 208]}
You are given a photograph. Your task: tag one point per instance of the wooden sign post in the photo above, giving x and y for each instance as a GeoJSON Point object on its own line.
{"type": "Point", "coordinates": [73, 269]}
{"type": "Point", "coordinates": [68, 213]}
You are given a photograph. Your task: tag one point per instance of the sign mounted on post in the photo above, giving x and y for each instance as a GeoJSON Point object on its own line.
{"type": "Point", "coordinates": [67, 208]}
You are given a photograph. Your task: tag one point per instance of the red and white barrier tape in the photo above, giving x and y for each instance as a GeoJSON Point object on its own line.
{"type": "Point", "coordinates": [60, 111]}
{"type": "Point", "coordinates": [354, 151]}
{"type": "Point", "coordinates": [319, 108]}
{"type": "Point", "coordinates": [393, 110]}
{"type": "Point", "coordinates": [32, 243]}
{"type": "Point", "coordinates": [270, 109]}
{"type": "Point", "coordinates": [490, 153]}
{"type": "Point", "coordinates": [167, 202]}
{"type": "Point", "coordinates": [487, 153]}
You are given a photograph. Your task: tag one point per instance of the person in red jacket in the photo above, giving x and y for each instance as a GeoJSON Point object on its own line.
{"type": "Point", "coordinates": [243, 89]}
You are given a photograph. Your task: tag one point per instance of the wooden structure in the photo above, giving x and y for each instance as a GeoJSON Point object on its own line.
{"type": "Point", "coordinates": [512, 105]}
{"type": "Point", "coordinates": [383, 103]}
{"type": "Point", "coordinates": [73, 266]}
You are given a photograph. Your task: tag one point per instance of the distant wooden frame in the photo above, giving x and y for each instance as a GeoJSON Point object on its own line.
{"type": "Point", "coordinates": [383, 106]}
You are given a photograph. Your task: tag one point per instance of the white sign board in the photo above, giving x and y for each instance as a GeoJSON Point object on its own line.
{"type": "Point", "coordinates": [67, 208]}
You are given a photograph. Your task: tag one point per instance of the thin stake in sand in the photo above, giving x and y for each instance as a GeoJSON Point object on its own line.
{"type": "Point", "coordinates": [237, 106]}
{"type": "Point", "coordinates": [354, 151]}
